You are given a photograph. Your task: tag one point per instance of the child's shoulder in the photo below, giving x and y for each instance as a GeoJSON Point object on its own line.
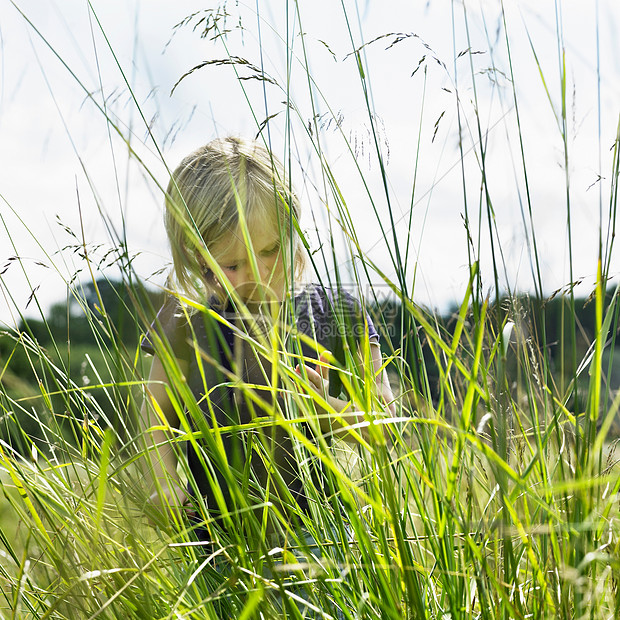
{"type": "Point", "coordinates": [327, 305]}
{"type": "Point", "coordinates": [327, 298]}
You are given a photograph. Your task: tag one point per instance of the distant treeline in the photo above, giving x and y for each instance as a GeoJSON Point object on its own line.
{"type": "Point", "coordinates": [557, 328]}
{"type": "Point", "coordinates": [52, 367]}
{"type": "Point", "coordinates": [94, 341]}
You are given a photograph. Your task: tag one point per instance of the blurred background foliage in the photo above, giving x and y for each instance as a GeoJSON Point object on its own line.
{"type": "Point", "coordinates": [91, 342]}
{"type": "Point", "coordinates": [72, 341]}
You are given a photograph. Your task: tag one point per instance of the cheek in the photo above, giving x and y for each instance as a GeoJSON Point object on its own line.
{"type": "Point", "coordinates": [233, 277]}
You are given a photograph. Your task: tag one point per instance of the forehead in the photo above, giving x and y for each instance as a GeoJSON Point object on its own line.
{"type": "Point", "coordinates": [233, 248]}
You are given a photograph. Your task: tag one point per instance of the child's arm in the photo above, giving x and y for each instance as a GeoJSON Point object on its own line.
{"type": "Point", "coordinates": [319, 379]}
{"type": "Point", "coordinates": [167, 491]}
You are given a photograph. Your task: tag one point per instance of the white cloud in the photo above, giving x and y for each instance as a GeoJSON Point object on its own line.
{"type": "Point", "coordinates": [40, 167]}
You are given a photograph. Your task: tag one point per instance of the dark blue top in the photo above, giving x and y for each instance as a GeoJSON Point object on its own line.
{"type": "Point", "coordinates": [219, 352]}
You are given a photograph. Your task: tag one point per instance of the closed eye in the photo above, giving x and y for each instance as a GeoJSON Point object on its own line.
{"type": "Point", "coordinates": [272, 250]}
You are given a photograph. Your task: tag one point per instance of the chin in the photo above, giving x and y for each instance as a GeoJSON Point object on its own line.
{"type": "Point", "coordinates": [257, 294]}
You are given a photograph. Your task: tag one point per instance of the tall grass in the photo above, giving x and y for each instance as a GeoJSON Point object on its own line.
{"type": "Point", "coordinates": [491, 493]}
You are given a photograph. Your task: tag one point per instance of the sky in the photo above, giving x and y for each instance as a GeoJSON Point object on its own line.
{"type": "Point", "coordinates": [72, 182]}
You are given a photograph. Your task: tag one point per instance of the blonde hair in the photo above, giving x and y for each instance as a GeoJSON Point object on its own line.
{"type": "Point", "coordinates": [205, 194]}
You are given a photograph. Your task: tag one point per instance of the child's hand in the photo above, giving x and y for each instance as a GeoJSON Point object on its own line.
{"type": "Point", "coordinates": [318, 378]}
{"type": "Point", "coordinates": [172, 497]}
{"type": "Point", "coordinates": [319, 375]}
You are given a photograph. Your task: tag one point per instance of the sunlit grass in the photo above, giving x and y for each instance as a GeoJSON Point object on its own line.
{"type": "Point", "coordinates": [492, 492]}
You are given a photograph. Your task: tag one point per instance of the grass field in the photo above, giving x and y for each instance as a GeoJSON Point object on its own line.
{"type": "Point", "coordinates": [491, 492]}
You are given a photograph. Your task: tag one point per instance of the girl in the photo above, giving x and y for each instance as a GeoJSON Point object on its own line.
{"type": "Point", "coordinates": [253, 347]}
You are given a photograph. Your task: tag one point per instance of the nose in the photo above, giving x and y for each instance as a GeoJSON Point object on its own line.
{"type": "Point", "coordinates": [264, 270]}
{"type": "Point", "coordinates": [261, 276]}
{"type": "Point", "coordinates": [250, 284]}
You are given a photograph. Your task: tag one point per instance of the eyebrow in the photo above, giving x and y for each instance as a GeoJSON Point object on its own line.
{"type": "Point", "coordinates": [271, 246]}
{"type": "Point", "coordinates": [266, 248]}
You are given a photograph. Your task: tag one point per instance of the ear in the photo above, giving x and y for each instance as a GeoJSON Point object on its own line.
{"type": "Point", "coordinates": [207, 274]}
{"type": "Point", "coordinates": [209, 277]}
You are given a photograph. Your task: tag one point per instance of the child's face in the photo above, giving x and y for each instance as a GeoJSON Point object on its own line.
{"type": "Point", "coordinates": [234, 258]}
